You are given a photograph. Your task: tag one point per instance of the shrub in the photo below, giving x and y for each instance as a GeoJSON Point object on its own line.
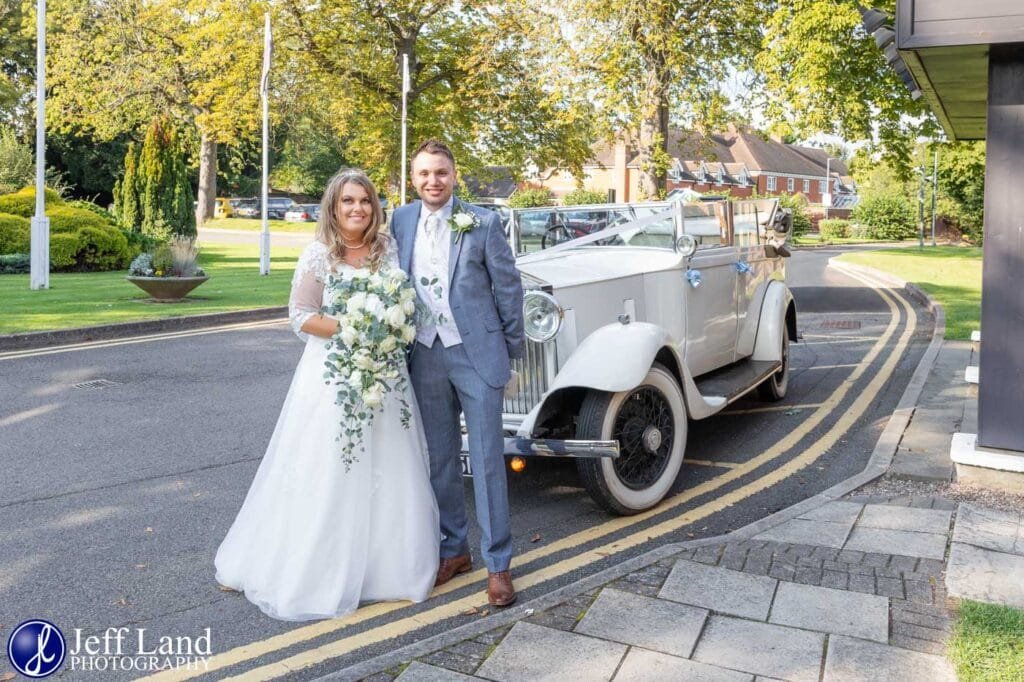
{"type": "Point", "coordinates": [14, 234]}
{"type": "Point", "coordinates": [579, 197]}
{"type": "Point", "coordinates": [833, 229]}
{"type": "Point", "coordinates": [887, 216]}
{"type": "Point", "coordinates": [15, 264]}
{"type": "Point", "coordinates": [139, 242]}
{"type": "Point", "coordinates": [101, 249]}
{"type": "Point", "coordinates": [67, 219]}
{"type": "Point", "coordinates": [529, 198]}
{"type": "Point", "coordinates": [17, 162]}
{"type": "Point", "coordinates": [23, 202]}
{"type": "Point", "coordinates": [165, 193]}
{"type": "Point", "coordinates": [63, 251]}
{"type": "Point", "coordinates": [798, 204]}
{"type": "Point", "coordinates": [178, 258]}
{"type": "Point", "coordinates": [98, 210]}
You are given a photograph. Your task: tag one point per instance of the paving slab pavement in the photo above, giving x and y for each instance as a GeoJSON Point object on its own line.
{"type": "Point", "coordinates": [844, 586]}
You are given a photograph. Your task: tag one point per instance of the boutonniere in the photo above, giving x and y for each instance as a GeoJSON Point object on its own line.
{"type": "Point", "coordinates": [462, 222]}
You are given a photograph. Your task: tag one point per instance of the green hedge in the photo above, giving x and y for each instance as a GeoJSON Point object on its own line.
{"type": "Point", "coordinates": [833, 229]}
{"type": "Point", "coordinates": [887, 216]}
{"type": "Point", "coordinates": [80, 239]}
{"type": "Point", "coordinates": [23, 202]}
{"type": "Point", "coordinates": [63, 251]}
{"type": "Point", "coordinates": [580, 197]}
{"type": "Point", "coordinates": [529, 198]}
{"type": "Point", "coordinates": [14, 234]}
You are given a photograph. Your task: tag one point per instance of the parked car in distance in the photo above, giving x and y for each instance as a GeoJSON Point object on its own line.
{"type": "Point", "coordinates": [222, 208]}
{"type": "Point", "coordinates": [640, 318]}
{"type": "Point", "coordinates": [302, 213]}
{"type": "Point", "coordinates": [276, 208]}
{"type": "Point", "coordinates": [246, 208]}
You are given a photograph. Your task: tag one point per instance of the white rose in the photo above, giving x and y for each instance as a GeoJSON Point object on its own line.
{"type": "Point", "coordinates": [409, 307]}
{"type": "Point", "coordinates": [463, 220]}
{"type": "Point", "coordinates": [376, 281]}
{"type": "Point", "coordinates": [355, 379]}
{"type": "Point", "coordinates": [408, 333]}
{"type": "Point", "coordinates": [373, 397]}
{"type": "Point", "coordinates": [388, 344]}
{"type": "Point", "coordinates": [395, 316]}
{"type": "Point", "coordinates": [348, 335]}
{"type": "Point", "coordinates": [408, 294]}
{"type": "Point", "coordinates": [363, 361]}
{"type": "Point", "coordinates": [374, 306]}
{"type": "Point", "coordinates": [356, 302]}
{"type": "Point", "coordinates": [361, 273]}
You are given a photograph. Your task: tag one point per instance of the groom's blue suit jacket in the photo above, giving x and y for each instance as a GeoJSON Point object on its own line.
{"type": "Point", "coordinates": [485, 289]}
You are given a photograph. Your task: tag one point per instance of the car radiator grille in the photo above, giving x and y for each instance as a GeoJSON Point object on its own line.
{"type": "Point", "coordinates": [533, 378]}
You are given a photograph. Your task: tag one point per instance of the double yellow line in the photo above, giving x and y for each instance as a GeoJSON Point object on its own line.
{"type": "Point", "coordinates": [396, 628]}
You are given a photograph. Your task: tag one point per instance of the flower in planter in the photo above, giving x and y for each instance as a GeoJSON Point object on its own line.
{"type": "Point", "coordinates": [177, 258]}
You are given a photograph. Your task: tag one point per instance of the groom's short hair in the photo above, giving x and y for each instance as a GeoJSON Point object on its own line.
{"type": "Point", "coordinates": [434, 146]}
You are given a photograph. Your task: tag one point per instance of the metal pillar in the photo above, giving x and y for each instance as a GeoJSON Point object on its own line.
{"type": "Point", "coordinates": [39, 238]}
{"type": "Point", "coordinates": [1001, 386]}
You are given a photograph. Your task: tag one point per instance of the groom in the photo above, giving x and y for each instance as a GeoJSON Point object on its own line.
{"type": "Point", "coordinates": [464, 272]}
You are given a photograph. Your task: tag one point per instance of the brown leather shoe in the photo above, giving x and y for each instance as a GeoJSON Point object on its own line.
{"type": "Point", "coordinates": [451, 567]}
{"type": "Point", "coordinates": [499, 589]}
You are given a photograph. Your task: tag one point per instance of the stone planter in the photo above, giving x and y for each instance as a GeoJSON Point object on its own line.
{"type": "Point", "coordinates": [167, 289]}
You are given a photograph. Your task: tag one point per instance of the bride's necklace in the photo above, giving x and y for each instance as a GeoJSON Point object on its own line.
{"type": "Point", "coordinates": [348, 245]}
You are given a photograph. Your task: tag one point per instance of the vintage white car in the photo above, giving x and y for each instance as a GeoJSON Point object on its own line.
{"type": "Point", "coordinates": [638, 318]}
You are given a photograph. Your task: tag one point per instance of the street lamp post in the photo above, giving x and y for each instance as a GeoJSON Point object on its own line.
{"type": "Point", "coordinates": [39, 266]}
{"type": "Point", "coordinates": [935, 191]}
{"type": "Point", "coordinates": [265, 184]}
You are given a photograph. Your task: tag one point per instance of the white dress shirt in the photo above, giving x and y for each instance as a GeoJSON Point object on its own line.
{"type": "Point", "coordinates": [430, 259]}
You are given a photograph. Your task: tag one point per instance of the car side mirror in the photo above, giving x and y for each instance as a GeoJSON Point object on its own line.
{"type": "Point", "coordinates": [783, 221]}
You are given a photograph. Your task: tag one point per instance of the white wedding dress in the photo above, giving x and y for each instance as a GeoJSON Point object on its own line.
{"type": "Point", "coordinates": [313, 540]}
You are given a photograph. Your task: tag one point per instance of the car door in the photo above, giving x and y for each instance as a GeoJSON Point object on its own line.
{"type": "Point", "coordinates": [754, 269]}
{"type": "Point", "coordinates": [709, 289]}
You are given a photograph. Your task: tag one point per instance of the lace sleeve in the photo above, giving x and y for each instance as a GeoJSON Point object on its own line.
{"type": "Point", "coordinates": [307, 287]}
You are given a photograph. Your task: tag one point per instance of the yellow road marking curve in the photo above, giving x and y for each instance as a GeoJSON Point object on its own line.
{"type": "Point", "coordinates": [413, 622]}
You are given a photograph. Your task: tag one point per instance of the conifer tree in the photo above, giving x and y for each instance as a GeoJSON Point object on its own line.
{"type": "Point", "coordinates": [126, 193]}
{"type": "Point", "coordinates": [165, 195]}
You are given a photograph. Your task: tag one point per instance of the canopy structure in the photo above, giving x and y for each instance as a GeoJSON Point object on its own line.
{"type": "Point", "coordinates": [967, 58]}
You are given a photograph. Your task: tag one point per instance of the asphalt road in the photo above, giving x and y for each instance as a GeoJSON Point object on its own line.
{"type": "Point", "coordinates": [115, 495]}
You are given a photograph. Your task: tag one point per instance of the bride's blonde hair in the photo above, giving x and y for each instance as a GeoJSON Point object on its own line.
{"type": "Point", "coordinates": [328, 227]}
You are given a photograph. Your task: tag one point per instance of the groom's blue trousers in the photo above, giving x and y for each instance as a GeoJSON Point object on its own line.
{"type": "Point", "coordinates": [446, 384]}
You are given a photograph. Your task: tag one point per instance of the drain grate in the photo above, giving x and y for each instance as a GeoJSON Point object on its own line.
{"type": "Point", "coordinates": [841, 324]}
{"type": "Point", "coordinates": [95, 384]}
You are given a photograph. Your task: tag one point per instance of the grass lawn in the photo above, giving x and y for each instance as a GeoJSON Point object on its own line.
{"type": "Point", "coordinates": [87, 299]}
{"type": "Point", "coordinates": [950, 274]}
{"type": "Point", "coordinates": [988, 643]}
{"type": "Point", "coordinates": [251, 225]}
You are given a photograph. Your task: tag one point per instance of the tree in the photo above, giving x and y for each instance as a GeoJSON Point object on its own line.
{"type": "Point", "coordinates": [821, 72]}
{"type": "Point", "coordinates": [165, 195]}
{"type": "Point", "coordinates": [474, 82]}
{"type": "Point", "coordinates": [962, 185]}
{"type": "Point", "coordinates": [126, 192]}
{"type": "Point", "coordinates": [17, 64]}
{"type": "Point", "coordinates": [17, 165]}
{"type": "Point", "coordinates": [115, 65]}
{"type": "Point", "coordinates": [648, 64]}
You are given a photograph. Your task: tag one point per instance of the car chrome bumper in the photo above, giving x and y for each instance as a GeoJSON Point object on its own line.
{"type": "Point", "coordinates": [542, 447]}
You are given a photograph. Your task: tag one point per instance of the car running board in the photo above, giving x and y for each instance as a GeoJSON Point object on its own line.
{"type": "Point", "coordinates": [729, 384]}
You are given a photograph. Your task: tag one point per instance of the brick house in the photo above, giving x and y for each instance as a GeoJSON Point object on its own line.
{"type": "Point", "coordinates": [739, 161]}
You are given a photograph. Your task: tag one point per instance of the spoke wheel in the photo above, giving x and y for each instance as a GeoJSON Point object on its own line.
{"type": "Point", "coordinates": [774, 388]}
{"type": "Point", "coordinates": [649, 422]}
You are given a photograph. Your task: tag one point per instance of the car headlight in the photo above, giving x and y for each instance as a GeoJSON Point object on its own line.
{"type": "Point", "coordinates": [542, 316]}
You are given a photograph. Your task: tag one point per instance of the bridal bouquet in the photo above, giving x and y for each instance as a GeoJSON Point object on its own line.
{"type": "Point", "coordinates": [376, 313]}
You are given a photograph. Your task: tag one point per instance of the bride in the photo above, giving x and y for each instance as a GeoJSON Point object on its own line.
{"type": "Point", "coordinates": [313, 540]}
